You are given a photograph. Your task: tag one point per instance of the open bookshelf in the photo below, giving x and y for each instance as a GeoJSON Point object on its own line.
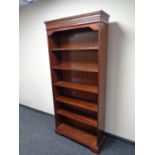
{"type": "Point", "coordinates": [78, 53]}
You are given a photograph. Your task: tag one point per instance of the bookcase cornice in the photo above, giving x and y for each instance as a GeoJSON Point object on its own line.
{"type": "Point", "coordinates": [88, 18]}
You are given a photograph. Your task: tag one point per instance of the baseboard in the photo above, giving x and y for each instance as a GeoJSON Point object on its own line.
{"type": "Point", "coordinates": [36, 110]}
{"type": "Point", "coordinates": [106, 133]}
{"type": "Point", "coordinates": [127, 141]}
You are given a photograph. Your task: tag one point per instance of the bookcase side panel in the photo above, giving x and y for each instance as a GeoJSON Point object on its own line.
{"type": "Point", "coordinates": [102, 60]}
{"type": "Point", "coordinates": [54, 76]}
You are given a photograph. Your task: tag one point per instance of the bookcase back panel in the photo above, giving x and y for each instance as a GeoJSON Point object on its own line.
{"type": "Point", "coordinates": [78, 125]}
{"type": "Point", "coordinates": [77, 111]}
{"type": "Point", "coordinates": [77, 94]}
{"type": "Point", "coordinates": [80, 77]}
{"type": "Point", "coordinates": [84, 60]}
{"type": "Point", "coordinates": [76, 38]}
{"type": "Point", "coordinates": [81, 95]}
{"type": "Point", "coordinates": [75, 57]}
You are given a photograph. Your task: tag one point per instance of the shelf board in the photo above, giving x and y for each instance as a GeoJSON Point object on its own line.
{"type": "Point", "coordinates": [77, 86]}
{"type": "Point", "coordinates": [73, 67]}
{"type": "Point", "coordinates": [74, 49]}
{"type": "Point", "coordinates": [77, 103]}
{"type": "Point", "coordinates": [79, 118]}
{"type": "Point", "coordinates": [78, 135]}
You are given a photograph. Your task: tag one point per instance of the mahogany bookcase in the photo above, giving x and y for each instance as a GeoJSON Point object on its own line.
{"type": "Point", "coordinates": [78, 59]}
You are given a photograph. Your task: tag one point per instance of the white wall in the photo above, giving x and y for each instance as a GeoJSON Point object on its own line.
{"type": "Point", "coordinates": [35, 85]}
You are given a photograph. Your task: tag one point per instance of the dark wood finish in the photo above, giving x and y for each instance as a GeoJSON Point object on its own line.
{"type": "Point", "coordinates": [102, 57]}
{"type": "Point", "coordinates": [77, 67]}
{"type": "Point", "coordinates": [88, 18]}
{"type": "Point", "coordinates": [81, 104]}
{"type": "Point", "coordinates": [77, 86]}
{"type": "Point", "coordinates": [77, 117]}
{"type": "Point", "coordinates": [78, 58]}
{"type": "Point", "coordinates": [78, 135]}
{"type": "Point", "coordinates": [74, 49]}
{"type": "Point", "coordinates": [92, 97]}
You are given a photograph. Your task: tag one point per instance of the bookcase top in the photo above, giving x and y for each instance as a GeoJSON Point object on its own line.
{"type": "Point", "coordinates": [97, 16]}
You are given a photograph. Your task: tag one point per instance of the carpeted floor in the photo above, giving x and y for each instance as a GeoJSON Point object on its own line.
{"type": "Point", "coordinates": [37, 137]}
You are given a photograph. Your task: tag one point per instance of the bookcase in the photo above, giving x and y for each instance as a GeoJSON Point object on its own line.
{"type": "Point", "coordinates": [78, 57]}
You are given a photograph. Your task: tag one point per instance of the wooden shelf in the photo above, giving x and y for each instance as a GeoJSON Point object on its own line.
{"type": "Point", "coordinates": [77, 86]}
{"type": "Point", "coordinates": [78, 135]}
{"type": "Point", "coordinates": [74, 49]}
{"type": "Point", "coordinates": [82, 67]}
{"type": "Point", "coordinates": [79, 118]}
{"type": "Point", "coordinates": [78, 103]}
